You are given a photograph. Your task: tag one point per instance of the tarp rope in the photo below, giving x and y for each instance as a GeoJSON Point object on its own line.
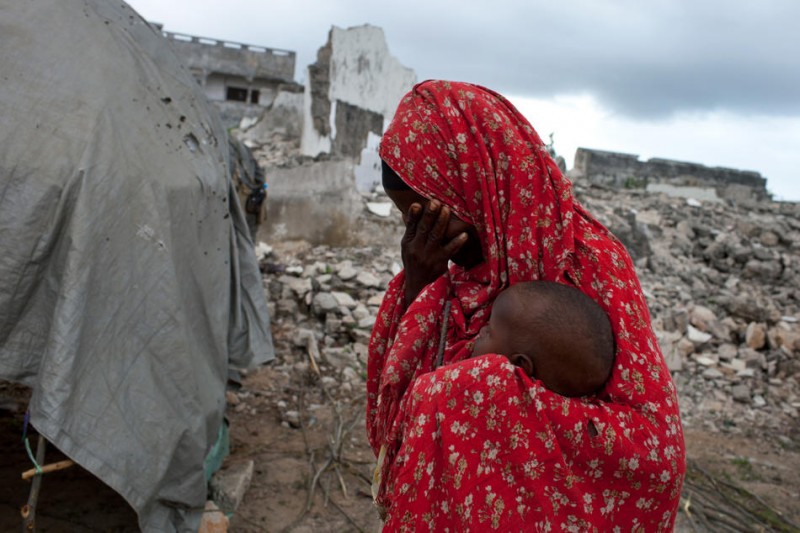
{"type": "Point", "coordinates": [27, 443]}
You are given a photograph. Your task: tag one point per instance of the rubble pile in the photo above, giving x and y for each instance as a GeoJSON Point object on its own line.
{"type": "Point", "coordinates": [722, 282]}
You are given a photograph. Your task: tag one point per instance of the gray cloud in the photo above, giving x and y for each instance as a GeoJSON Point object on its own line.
{"type": "Point", "coordinates": [637, 58]}
{"type": "Point", "coordinates": [648, 59]}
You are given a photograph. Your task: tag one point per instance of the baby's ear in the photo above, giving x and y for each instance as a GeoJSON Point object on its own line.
{"type": "Point", "coordinates": [525, 362]}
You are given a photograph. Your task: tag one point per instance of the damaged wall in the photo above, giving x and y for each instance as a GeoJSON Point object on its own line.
{"type": "Point", "coordinates": [356, 75]}
{"type": "Point", "coordinates": [316, 201]}
{"type": "Point", "coordinates": [625, 170]}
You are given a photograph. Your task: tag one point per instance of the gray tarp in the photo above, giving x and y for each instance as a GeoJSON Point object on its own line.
{"type": "Point", "coordinates": [127, 280]}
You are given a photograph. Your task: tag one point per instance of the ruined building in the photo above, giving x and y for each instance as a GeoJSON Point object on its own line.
{"type": "Point", "coordinates": [241, 79]}
{"type": "Point", "coordinates": [665, 175]}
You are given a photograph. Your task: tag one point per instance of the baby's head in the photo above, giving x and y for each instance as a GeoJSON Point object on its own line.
{"type": "Point", "coordinates": [554, 333]}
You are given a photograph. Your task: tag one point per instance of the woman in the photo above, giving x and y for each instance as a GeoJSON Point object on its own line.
{"type": "Point", "coordinates": [473, 444]}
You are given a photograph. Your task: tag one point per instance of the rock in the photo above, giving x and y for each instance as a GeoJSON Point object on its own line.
{"type": "Point", "coordinates": [764, 270]}
{"type": "Point", "coordinates": [366, 322]}
{"type": "Point", "coordinates": [759, 401]}
{"type": "Point", "coordinates": [287, 307]}
{"type": "Point", "coordinates": [705, 360]}
{"type": "Point", "coordinates": [360, 312]}
{"type": "Point", "coordinates": [332, 325]}
{"type": "Point", "coordinates": [292, 418]}
{"type": "Point", "coordinates": [295, 270]}
{"type": "Point", "coordinates": [213, 520]}
{"type": "Point", "coordinates": [755, 336]}
{"type": "Point", "coordinates": [727, 351]}
{"type": "Point", "coordinates": [345, 271]}
{"type": "Point", "coordinates": [696, 336]}
{"type": "Point", "coordinates": [685, 347]}
{"type": "Point", "coordinates": [782, 337]}
{"type": "Point", "coordinates": [741, 393]}
{"type": "Point", "coordinates": [299, 286]}
{"type": "Point", "coordinates": [229, 485]}
{"type": "Point", "coordinates": [382, 209]}
{"type": "Point", "coordinates": [701, 316]}
{"type": "Point", "coordinates": [712, 373]}
{"type": "Point", "coordinates": [367, 279]}
{"type": "Point", "coordinates": [376, 299]}
{"type": "Point", "coordinates": [344, 299]}
{"type": "Point", "coordinates": [300, 337]}
{"type": "Point", "coordinates": [231, 398]}
{"type": "Point", "coordinates": [769, 239]}
{"type": "Point", "coordinates": [323, 303]}
{"type": "Point", "coordinates": [263, 250]}
{"type": "Point", "coordinates": [339, 357]}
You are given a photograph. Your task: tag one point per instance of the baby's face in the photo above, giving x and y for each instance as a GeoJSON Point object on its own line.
{"type": "Point", "coordinates": [496, 336]}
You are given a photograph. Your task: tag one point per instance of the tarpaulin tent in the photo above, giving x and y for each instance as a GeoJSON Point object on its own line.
{"type": "Point", "coordinates": [127, 280]}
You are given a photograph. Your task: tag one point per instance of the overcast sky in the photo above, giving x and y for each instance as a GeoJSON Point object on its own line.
{"type": "Point", "coordinates": [714, 82]}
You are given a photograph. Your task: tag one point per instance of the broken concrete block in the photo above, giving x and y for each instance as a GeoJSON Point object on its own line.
{"type": "Point", "coordinates": [214, 520]}
{"type": "Point", "coordinates": [229, 485]}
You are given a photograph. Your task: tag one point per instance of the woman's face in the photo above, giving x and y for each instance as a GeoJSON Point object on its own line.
{"type": "Point", "coordinates": [470, 254]}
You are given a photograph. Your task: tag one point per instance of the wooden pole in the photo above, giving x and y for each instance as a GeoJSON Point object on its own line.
{"type": "Point", "coordinates": [52, 467]}
{"type": "Point", "coordinates": [29, 509]}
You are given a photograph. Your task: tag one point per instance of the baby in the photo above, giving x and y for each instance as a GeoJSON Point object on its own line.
{"type": "Point", "coordinates": [554, 333]}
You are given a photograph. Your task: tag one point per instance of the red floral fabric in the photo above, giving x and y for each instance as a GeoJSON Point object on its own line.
{"type": "Point", "coordinates": [476, 445]}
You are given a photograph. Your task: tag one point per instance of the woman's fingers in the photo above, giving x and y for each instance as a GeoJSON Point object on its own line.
{"type": "Point", "coordinates": [455, 244]}
{"type": "Point", "coordinates": [440, 225]}
{"type": "Point", "coordinates": [428, 219]}
{"type": "Point", "coordinates": [412, 220]}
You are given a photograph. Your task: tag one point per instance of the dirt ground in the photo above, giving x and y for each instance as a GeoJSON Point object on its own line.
{"type": "Point", "coordinates": [291, 428]}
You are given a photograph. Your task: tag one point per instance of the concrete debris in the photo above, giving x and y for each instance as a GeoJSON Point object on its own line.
{"type": "Point", "coordinates": [229, 485]}
{"type": "Point", "coordinates": [382, 209]}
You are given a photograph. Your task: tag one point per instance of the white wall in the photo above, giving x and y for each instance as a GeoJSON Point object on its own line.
{"type": "Point", "coordinates": [364, 74]}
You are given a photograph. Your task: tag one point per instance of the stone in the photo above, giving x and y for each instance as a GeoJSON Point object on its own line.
{"type": "Point", "coordinates": [712, 373]}
{"type": "Point", "coordinates": [755, 336]}
{"type": "Point", "coordinates": [701, 317]}
{"type": "Point", "coordinates": [287, 307]}
{"type": "Point", "coordinates": [360, 312]}
{"type": "Point", "coordinates": [741, 393]}
{"type": "Point", "coordinates": [295, 270]}
{"type": "Point", "coordinates": [292, 418]}
{"type": "Point", "coordinates": [300, 336]}
{"type": "Point", "coordinates": [231, 398]}
{"type": "Point", "coordinates": [324, 302]}
{"type": "Point", "coordinates": [298, 286]}
{"type": "Point", "coordinates": [727, 352]}
{"type": "Point", "coordinates": [685, 347]}
{"type": "Point", "coordinates": [332, 325]}
{"type": "Point", "coordinates": [382, 209]}
{"type": "Point", "coordinates": [737, 365]}
{"type": "Point", "coordinates": [705, 360]}
{"type": "Point", "coordinates": [368, 279]}
{"type": "Point", "coordinates": [375, 299]}
{"type": "Point", "coordinates": [366, 322]}
{"type": "Point", "coordinates": [339, 357]}
{"type": "Point", "coordinates": [344, 299]}
{"type": "Point", "coordinates": [769, 238]}
{"type": "Point", "coordinates": [213, 520]}
{"type": "Point", "coordinates": [345, 271]}
{"type": "Point", "coordinates": [229, 485]}
{"type": "Point", "coordinates": [759, 401]}
{"type": "Point", "coordinates": [696, 336]}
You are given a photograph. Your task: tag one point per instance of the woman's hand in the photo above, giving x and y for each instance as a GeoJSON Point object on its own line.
{"type": "Point", "coordinates": [425, 249]}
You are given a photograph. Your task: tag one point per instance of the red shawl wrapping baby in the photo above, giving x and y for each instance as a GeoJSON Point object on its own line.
{"type": "Point", "coordinates": [476, 445]}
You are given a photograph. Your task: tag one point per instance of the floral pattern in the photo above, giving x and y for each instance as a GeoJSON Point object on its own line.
{"type": "Point", "coordinates": [475, 444]}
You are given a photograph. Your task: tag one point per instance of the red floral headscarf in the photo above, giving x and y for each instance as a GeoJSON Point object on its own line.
{"type": "Point", "coordinates": [470, 148]}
